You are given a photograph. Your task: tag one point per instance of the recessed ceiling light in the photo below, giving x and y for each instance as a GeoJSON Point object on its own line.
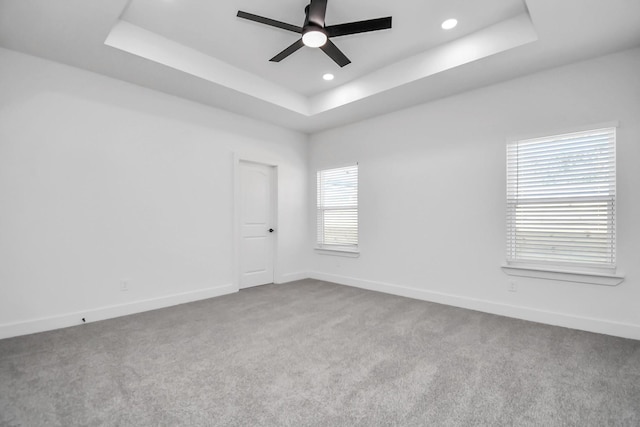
{"type": "Point", "coordinates": [328, 77]}
{"type": "Point", "coordinates": [449, 24]}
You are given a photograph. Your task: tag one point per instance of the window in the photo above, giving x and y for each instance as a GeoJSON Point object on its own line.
{"type": "Point", "coordinates": [338, 208]}
{"type": "Point", "coordinates": [561, 200]}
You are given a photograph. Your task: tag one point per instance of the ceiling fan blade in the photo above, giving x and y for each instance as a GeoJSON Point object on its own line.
{"type": "Point", "coordinates": [317, 12]}
{"type": "Point", "coordinates": [268, 21]}
{"type": "Point", "coordinates": [288, 51]}
{"type": "Point", "coordinates": [359, 27]}
{"type": "Point", "coordinates": [334, 53]}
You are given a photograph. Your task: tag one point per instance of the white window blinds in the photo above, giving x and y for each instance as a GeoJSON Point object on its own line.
{"type": "Point", "coordinates": [338, 208]}
{"type": "Point", "coordinates": [561, 199]}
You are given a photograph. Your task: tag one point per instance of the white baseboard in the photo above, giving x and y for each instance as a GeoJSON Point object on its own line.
{"type": "Point", "coordinates": [72, 319]}
{"type": "Point", "coordinates": [292, 277]}
{"type": "Point", "coordinates": [601, 326]}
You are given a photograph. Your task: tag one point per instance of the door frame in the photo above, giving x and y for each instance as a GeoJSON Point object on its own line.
{"type": "Point", "coordinates": [237, 198]}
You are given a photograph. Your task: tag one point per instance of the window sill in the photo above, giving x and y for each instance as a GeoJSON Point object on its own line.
{"type": "Point", "coordinates": [350, 253]}
{"type": "Point", "coordinates": [603, 279]}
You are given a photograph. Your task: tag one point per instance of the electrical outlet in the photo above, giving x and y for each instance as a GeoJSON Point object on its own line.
{"type": "Point", "coordinates": [513, 287]}
{"type": "Point", "coordinates": [124, 285]}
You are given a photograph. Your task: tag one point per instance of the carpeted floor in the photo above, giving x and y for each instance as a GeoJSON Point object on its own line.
{"type": "Point", "coordinates": [315, 353]}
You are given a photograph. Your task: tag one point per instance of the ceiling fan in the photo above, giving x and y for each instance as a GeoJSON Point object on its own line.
{"type": "Point", "coordinates": [316, 34]}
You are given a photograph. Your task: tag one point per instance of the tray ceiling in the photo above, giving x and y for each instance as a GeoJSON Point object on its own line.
{"type": "Point", "coordinates": [200, 50]}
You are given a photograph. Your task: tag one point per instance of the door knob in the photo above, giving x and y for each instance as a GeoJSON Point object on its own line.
{"type": "Point", "coordinates": [271, 230]}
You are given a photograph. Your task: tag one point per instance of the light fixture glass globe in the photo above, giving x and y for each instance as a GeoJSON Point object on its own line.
{"type": "Point", "coordinates": [314, 38]}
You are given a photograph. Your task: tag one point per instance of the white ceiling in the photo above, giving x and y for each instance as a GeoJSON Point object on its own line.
{"type": "Point", "coordinates": [212, 27]}
{"type": "Point", "coordinates": [200, 50]}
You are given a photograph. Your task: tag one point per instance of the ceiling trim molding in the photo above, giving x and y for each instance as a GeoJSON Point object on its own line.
{"type": "Point", "coordinates": [503, 36]}
{"type": "Point", "coordinates": [154, 47]}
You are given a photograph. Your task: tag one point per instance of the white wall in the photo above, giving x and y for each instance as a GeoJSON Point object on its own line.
{"type": "Point", "coordinates": [432, 195]}
{"type": "Point", "coordinates": [101, 180]}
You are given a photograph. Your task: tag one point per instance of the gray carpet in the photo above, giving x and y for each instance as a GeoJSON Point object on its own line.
{"type": "Point", "coordinates": [315, 353]}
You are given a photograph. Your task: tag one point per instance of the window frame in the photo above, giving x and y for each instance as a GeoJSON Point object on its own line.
{"type": "Point", "coordinates": [321, 247]}
{"type": "Point", "coordinates": [604, 274]}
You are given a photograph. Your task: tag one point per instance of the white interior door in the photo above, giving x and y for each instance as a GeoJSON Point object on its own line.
{"type": "Point", "coordinates": [257, 224]}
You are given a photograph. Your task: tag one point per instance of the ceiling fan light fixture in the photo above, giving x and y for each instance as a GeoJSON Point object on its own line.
{"type": "Point", "coordinates": [316, 34]}
{"type": "Point", "coordinates": [314, 38]}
